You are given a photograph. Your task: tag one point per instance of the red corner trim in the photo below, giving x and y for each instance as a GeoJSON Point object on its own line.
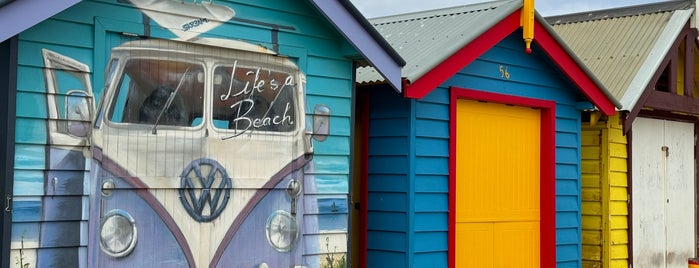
{"type": "Point", "coordinates": [428, 82]}
{"type": "Point", "coordinates": [572, 70]}
{"type": "Point", "coordinates": [547, 167]}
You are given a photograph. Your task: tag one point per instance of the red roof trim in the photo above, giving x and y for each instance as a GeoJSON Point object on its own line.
{"type": "Point", "coordinates": [572, 70]}
{"type": "Point", "coordinates": [462, 58]}
{"type": "Point", "coordinates": [554, 50]}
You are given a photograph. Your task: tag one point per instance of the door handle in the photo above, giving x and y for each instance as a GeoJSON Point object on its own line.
{"type": "Point", "coordinates": [8, 203]}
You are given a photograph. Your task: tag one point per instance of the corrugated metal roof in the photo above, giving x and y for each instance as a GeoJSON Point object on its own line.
{"type": "Point", "coordinates": [624, 47]}
{"type": "Point", "coordinates": [425, 39]}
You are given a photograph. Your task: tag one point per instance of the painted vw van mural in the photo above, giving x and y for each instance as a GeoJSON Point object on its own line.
{"type": "Point", "coordinates": [198, 157]}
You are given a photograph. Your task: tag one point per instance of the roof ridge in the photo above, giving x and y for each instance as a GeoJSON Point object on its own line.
{"type": "Point", "coordinates": [440, 12]}
{"type": "Point", "coordinates": [621, 12]}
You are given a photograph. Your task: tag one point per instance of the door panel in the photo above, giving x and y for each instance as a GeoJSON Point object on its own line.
{"type": "Point", "coordinates": [663, 193]}
{"type": "Point", "coordinates": [498, 184]}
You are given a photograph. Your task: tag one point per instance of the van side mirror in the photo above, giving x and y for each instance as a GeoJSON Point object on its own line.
{"type": "Point", "coordinates": [321, 122]}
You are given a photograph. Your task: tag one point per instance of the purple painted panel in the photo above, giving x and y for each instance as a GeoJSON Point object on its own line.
{"type": "Point", "coordinates": [20, 15]}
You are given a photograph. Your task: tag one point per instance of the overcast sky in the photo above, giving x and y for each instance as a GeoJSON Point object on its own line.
{"type": "Point", "coordinates": [379, 8]}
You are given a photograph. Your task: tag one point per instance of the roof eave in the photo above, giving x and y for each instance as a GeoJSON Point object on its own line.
{"type": "Point", "coordinates": [359, 32]}
{"type": "Point", "coordinates": [18, 16]}
{"type": "Point", "coordinates": [652, 63]}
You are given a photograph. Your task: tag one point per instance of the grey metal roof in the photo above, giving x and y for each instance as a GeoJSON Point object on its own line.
{"type": "Point", "coordinates": [425, 39]}
{"type": "Point", "coordinates": [624, 47]}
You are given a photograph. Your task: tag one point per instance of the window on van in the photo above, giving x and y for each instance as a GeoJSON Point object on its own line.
{"type": "Point", "coordinates": [166, 91]}
{"type": "Point", "coordinates": [248, 98]}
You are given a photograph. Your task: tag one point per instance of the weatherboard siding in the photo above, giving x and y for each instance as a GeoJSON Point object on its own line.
{"type": "Point", "coordinates": [389, 182]}
{"type": "Point", "coordinates": [86, 32]}
{"type": "Point", "coordinates": [605, 195]}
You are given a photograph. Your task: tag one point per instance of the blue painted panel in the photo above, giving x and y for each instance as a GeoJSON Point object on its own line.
{"type": "Point", "coordinates": [431, 202]}
{"type": "Point", "coordinates": [388, 202]}
{"type": "Point", "coordinates": [28, 183]}
{"type": "Point", "coordinates": [391, 127]}
{"type": "Point", "coordinates": [338, 106]}
{"type": "Point", "coordinates": [432, 184]}
{"type": "Point", "coordinates": [330, 86]}
{"type": "Point", "coordinates": [432, 147]}
{"type": "Point", "coordinates": [29, 156]}
{"type": "Point", "coordinates": [431, 166]}
{"type": "Point", "coordinates": [438, 95]}
{"type": "Point", "coordinates": [388, 164]}
{"type": "Point", "coordinates": [431, 110]}
{"type": "Point", "coordinates": [567, 171]}
{"type": "Point", "coordinates": [80, 34]}
{"type": "Point", "coordinates": [30, 131]}
{"type": "Point", "coordinates": [398, 227]}
{"type": "Point", "coordinates": [26, 210]}
{"type": "Point", "coordinates": [567, 187]}
{"type": "Point", "coordinates": [431, 241]}
{"type": "Point", "coordinates": [391, 241]}
{"type": "Point", "coordinates": [330, 67]}
{"type": "Point", "coordinates": [387, 183]}
{"type": "Point", "coordinates": [36, 84]}
{"type": "Point", "coordinates": [335, 145]}
{"type": "Point", "coordinates": [62, 208]}
{"type": "Point", "coordinates": [60, 234]}
{"type": "Point", "coordinates": [31, 105]}
{"type": "Point", "coordinates": [431, 221]}
{"type": "Point", "coordinates": [568, 236]}
{"type": "Point", "coordinates": [568, 138]}
{"type": "Point", "coordinates": [29, 232]}
{"type": "Point", "coordinates": [29, 54]}
{"type": "Point", "coordinates": [431, 259]}
{"type": "Point", "coordinates": [376, 258]}
{"type": "Point", "coordinates": [57, 257]}
{"type": "Point", "coordinates": [567, 125]}
{"type": "Point", "coordinates": [325, 164]}
{"type": "Point", "coordinates": [567, 203]}
{"type": "Point", "coordinates": [389, 146]}
{"type": "Point", "coordinates": [66, 182]}
{"type": "Point", "coordinates": [567, 219]}
{"type": "Point", "coordinates": [567, 253]}
{"type": "Point", "coordinates": [567, 155]}
{"type": "Point", "coordinates": [331, 184]}
{"type": "Point", "coordinates": [431, 128]}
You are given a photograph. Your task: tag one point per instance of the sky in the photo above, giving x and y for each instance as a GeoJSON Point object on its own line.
{"type": "Point", "coordinates": [380, 8]}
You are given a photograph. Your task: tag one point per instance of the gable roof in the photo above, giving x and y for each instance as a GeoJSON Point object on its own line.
{"type": "Point", "coordinates": [17, 16]}
{"type": "Point", "coordinates": [624, 47]}
{"type": "Point", "coordinates": [438, 43]}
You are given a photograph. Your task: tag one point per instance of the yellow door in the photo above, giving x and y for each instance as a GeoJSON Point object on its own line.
{"type": "Point", "coordinates": [497, 185]}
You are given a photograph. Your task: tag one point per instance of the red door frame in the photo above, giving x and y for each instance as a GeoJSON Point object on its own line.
{"type": "Point", "coordinates": [547, 199]}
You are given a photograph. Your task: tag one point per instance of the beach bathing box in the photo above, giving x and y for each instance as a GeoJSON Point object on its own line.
{"type": "Point", "coordinates": [639, 165]}
{"type": "Point", "coordinates": [477, 162]}
{"type": "Point", "coordinates": [169, 133]}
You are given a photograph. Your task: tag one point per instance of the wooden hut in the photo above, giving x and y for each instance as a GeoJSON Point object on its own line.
{"type": "Point", "coordinates": [477, 164]}
{"type": "Point", "coordinates": [639, 167]}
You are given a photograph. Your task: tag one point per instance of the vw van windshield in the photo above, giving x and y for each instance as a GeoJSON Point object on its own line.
{"type": "Point", "coordinates": [253, 98]}
{"type": "Point", "coordinates": [166, 92]}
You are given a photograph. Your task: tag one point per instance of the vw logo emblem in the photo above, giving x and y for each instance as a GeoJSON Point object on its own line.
{"type": "Point", "coordinates": [204, 189]}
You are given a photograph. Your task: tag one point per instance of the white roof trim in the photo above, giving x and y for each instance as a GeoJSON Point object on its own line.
{"type": "Point", "coordinates": [660, 49]}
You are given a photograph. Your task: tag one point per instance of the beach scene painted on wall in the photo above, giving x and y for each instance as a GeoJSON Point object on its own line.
{"type": "Point", "coordinates": [200, 152]}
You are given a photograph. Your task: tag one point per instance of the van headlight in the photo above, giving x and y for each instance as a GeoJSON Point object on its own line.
{"type": "Point", "coordinates": [282, 230]}
{"type": "Point", "coordinates": [117, 233]}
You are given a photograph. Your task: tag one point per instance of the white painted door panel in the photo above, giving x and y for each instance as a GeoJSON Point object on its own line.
{"type": "Point", "coordinates": [679, 193]}
{"type": "Point", "coordinates": [663, 193]}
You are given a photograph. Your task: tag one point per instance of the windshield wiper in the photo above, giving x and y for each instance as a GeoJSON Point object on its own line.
{"type": "Point", "coordinates": [169, 101]}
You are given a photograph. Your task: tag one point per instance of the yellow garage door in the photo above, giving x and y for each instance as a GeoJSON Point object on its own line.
{"type": "Point", "coordinates": [497, 185]}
